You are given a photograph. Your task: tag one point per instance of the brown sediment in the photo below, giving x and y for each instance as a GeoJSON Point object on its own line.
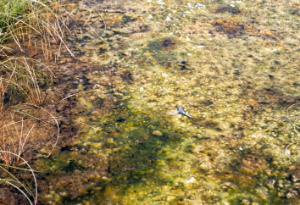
{"type": "Point", "coordinates": [231, 27]}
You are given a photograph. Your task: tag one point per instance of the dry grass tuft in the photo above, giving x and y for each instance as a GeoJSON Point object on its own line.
{"type": "Point", "coordinates": [22, 131]}
{"type": "Point", "coordinates": [38, 30]}
{"type": "Point", "coordinates": [31, 36]}
{"type": "Point", "coordinates": [35, 34]}
{"type": "Point", "coordinates": [8, 177]}
{"type": "Point", "coordinates": [22, 82]}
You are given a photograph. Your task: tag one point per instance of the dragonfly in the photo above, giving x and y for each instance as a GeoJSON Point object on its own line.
{"type": "Point", "coordinates": [183, 112]}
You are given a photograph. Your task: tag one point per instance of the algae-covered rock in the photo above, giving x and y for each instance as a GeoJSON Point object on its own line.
{"type": "Point", "coordinates": [157, 133]}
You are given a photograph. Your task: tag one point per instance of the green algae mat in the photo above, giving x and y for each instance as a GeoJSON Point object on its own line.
{"type": "Point", "coordinates": [184, 102]}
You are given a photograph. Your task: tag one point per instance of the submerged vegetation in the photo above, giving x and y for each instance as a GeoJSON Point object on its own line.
{"type": "Point", "coordinates": [178, 102]}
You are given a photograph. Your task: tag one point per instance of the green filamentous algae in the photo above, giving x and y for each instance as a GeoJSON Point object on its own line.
{"type": "Point", "coordinates": [233, 66]}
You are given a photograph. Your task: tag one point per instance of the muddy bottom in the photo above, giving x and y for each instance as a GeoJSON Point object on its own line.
{"type": "Point", "coordinates": [180, 102]}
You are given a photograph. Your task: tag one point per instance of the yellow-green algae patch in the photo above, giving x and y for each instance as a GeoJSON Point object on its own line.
{"type": "Point", "coordinates": [231, 64]}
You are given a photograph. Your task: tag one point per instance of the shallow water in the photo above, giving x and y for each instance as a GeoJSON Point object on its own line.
{"type": "Point", "coordinates": [232, 65]}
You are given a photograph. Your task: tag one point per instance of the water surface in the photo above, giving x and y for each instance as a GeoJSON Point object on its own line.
{"type": "Point", "coordinates": [232, 65]}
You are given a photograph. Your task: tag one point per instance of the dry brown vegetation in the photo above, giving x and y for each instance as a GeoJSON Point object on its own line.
{"type": "Point", "coordinates": [31, 40]}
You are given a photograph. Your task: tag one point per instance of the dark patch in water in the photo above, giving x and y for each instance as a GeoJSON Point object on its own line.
{"type": "Point", "coordinates": [6, 98]}
{"type": "Point", "coordinates": [275, 97]}
{"type": "Point", "coordinates": [162, 52]}
{"type": "Point", "coordinates": [86, 82]}
{"type": "Point", "coordinates": [212, 125]}
{"type": "Point", "coordinates": [168, 43]}
{"type": "Point", "coordinates": [99, 103]}
{"type": "Point", "coordinates": [144, 28]}
{"type": "Point", "coordinates": [66, 149]}
{"type": "Point", "coordinates": [207, 102]}
{"type": "Point", "coordinates": [271, 77]}
{"type": "Point", "coordinates": [102, 51]}
{"type": "Point", "coordinates": [160, 44]}
{"type": "Point", "coordinates": [84, 40]}
{"type": "Point", "coordinates": [13, 96]}
{"type": "Point", "coordinates": [183, 65]}
{"type": "Point", "coordinates": [230, 28]}
{"type": "Point", "coordinates": [78, 52]}
{"type": "Point", "coordinates": [127, 19]}
{"type": "Point", "coordinates": [72, 166]}
{"type": "Point", "coordinates": [127, 77]}
{"type": "Point", "coordinates": [120, 120]}
{"type": "Point", "coordinates": [229, 9]}
{"type": "Point", "coordinates": [296, 84]}
{"type": "Point", "coordinates": [237, 72]}
{"type": "Point", "coordinates": [295, 11]}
